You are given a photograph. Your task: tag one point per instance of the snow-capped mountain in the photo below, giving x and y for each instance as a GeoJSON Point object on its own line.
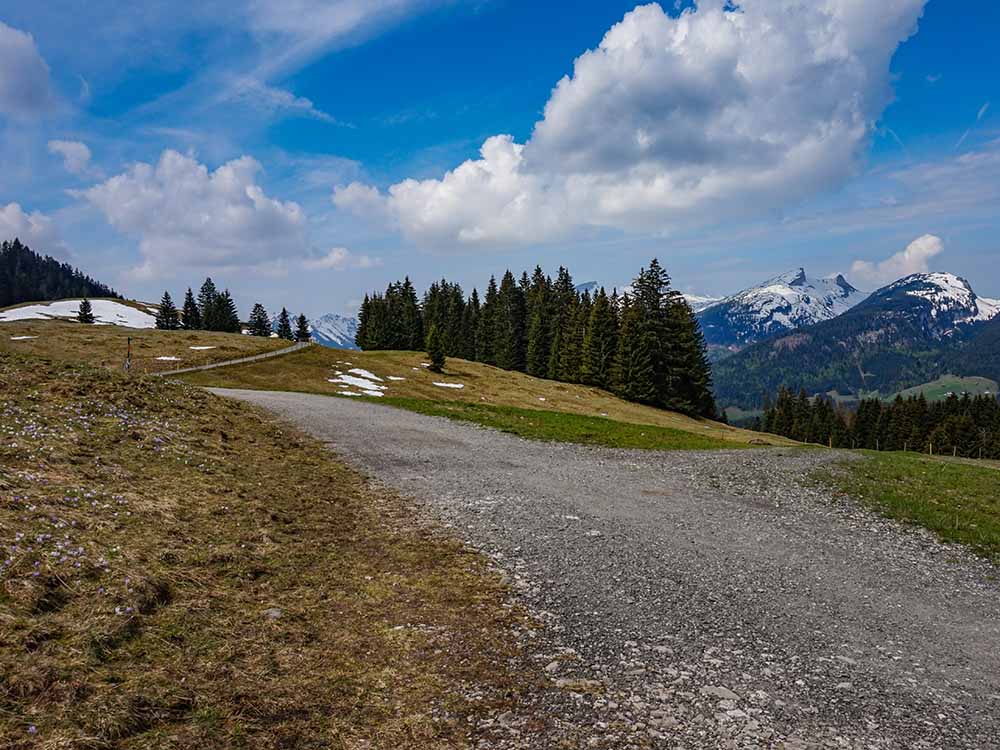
{"type": "Point", "coordinates": [946, 302]}
{"type": "Point", "coordinates": [784, 303]}
{"type": "Point", "coordinates": [699, 303]}
{"type": "Point", "coordinates": [909, 332]}
{"type": "Point", "coordinates": [333, 330]}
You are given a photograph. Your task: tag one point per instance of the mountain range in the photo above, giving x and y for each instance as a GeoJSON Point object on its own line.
{"type": "Point", "coordinates": [784, 303]}
{"type": "Point", "coordinates": [909, 332]}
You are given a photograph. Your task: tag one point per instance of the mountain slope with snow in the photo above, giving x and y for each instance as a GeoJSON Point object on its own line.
{"type": "Point", "coordinates": [106, 312]}
{"type": "Point", "coordinates": [787, 302]}
{"type": "Point", "coordinates": [907, 333]}
{"type": "Point", "coordinates": [335, 331]}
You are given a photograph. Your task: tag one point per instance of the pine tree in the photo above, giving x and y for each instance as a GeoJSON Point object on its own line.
{"type": "Point", "coordinates": [435, 349]}
{"type": "Point", "coordinates": [302, 329]}
{"type": "Point", "coordinates": [411, 320]}
{"type": "Point", "coordinates": [635, 375]}
{"type": "Point", "coordinates": [191, 315]}
{"type": "Point", "coordinates": [600, 344]}
{"type": "Point", "coordinates": [285, 326]}
{"type": "Point", "coordinates": [226, 316]}
{"type": "Point", "coordinates": [510, 325]}
{"type": "Point", "coordinates": [167, 317]}
{"type": "Point", "coordinates": [362, 335]}
{"type": "Point", "coordinates": [260, 321]}
{"type": "Point", "coordinates": [208, 298]}
{"type": "Point", "coordinates": [85, 314]}
{"type": "Point", "coordinates": [486, 333]}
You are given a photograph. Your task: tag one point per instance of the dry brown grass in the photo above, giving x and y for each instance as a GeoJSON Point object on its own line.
{"type": "Point", "coordinates": [188, 574]}
{"type": "Point", "coordinates": [309, 371]}
{"type": "Point", "coordinates": [106, 346]}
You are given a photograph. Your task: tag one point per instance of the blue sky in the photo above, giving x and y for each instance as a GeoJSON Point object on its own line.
{"type": "Point", "coordinates": [303, 152]}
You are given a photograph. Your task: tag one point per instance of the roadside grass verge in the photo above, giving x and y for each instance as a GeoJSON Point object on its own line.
{"type": "Point", "coordinates": [404, 377]}
{"type": "Point", "coordinates": [957, 501]}
{"type": "Point", "coordinates": [106, 346]}
{"type": "Point", "coordinates": [535, 424]}
{"type": "Point", "coordinates": [177, 570]}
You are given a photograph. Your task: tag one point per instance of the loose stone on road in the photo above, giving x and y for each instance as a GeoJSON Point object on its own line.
{"type": "Point", "coordinates": [701, 599]}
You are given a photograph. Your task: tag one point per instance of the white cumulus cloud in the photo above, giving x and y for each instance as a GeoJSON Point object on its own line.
{"type": "Point", "coordinates": [75, 155]}
{"type": "Point", "coordinates": [340, 258]}
{"type": "Point", "coordinates": [913, 259]}
{"type": "Point", "coordinates": [672, 121]}
{"type": "Point", "coordinates": [187, 216]}
{"type": "Point", "coordinates": [25, 88]}
{"type": "Point", "coordinates": [34, 229]}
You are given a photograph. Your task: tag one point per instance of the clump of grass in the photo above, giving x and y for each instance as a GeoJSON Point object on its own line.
{"type": "Point", "coordinates": [178, 571]}
{"type": "Point", "coordinates": [536, 424]}
{"type": "Point", "coordinates": [957, 501]}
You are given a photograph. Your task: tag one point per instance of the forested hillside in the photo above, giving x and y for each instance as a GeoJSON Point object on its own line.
{"type": "Point", "coordinates": [645, 347]}
{"type": "Point", "coordinates": [26, 276]}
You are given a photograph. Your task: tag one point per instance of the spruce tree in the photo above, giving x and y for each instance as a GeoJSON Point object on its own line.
{"type": "Point", "coordinates": [85, 313]}
{"type": "Point", "coordinates": [167, 317]}
{"type": "Point", "coordinates": [285, 326]}
{"type": "Point", "coordinates": [486, 333]}
{"type": "Point", "coordinates": [302, 329]}
{"type": "Point", "coordinates": [227, 318]}
{"type": "Point", "coordinates": [635, 374]}
{"type": "Point", "coordinates": [600, 344]}
{"type": "Point", "coordinates": [260, 321]}
{"type": "Point", "coordinates": [190, 316]}
{"type": "Point", "coordinates": [361, 335]}
{"type": "Point", "coordinates": [435, 349]}
{"type": "Point", "coordinates": [207, 305]}
{"type": "Point", "coordinates": [510, 324]}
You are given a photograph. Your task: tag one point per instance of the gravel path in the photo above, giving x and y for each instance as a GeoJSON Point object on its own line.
{"type": "Point", "coordinates": [701, 600]}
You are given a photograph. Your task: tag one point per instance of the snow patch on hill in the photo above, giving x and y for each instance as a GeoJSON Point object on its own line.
{"type": "Point", "coordinates": [106, 312]}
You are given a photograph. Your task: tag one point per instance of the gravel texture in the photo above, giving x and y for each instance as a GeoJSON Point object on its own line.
{"type": "Point", "coordinates": [698, 599]}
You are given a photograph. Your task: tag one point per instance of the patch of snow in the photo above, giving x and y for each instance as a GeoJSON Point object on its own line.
{"type": "Point", "coordinates": [169, 359]}
{"type": "Point", "coordinates": [450, 385]}
{"type": "Point", "coordinates": [201, 348]}
{"type": "Point", "coordinates": [362, 383]}
{"type": "Point", "coordinates": [106, 312]}
{"type": "Point", "coordinates": [365, 374]}
{"type": "Point", "coordinates": [22, 338]}
{"type": "Point", "coordinates": [541, 398]}
{"type": "Point", "coordinates": [699, 303]}
{"type": "Point", "coordinates": [395, 377]}
{"type": "Point", "coordinates": [425, 364]}
{"type": "Point", "coordinates": [349, 393]}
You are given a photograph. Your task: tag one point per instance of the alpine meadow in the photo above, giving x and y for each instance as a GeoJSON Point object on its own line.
{"type": "Point", "coordinates": [462, 375]}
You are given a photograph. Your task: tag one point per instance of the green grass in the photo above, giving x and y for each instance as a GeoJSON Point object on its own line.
{"type": "Point", "coordinates": [957, 501]}
{"type": "Point", "coordinates": [938, 390]}
{"type": "Point", "coordinates": [535, 424]}
{"type": "Point", "coordinates": [179, 571]}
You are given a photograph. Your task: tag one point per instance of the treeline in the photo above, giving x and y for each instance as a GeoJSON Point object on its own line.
{"type": "Point", "coordinates": [26, 276]}
{"type": "Point", "coordinates": [964, 426]}
{"type": "Point", "coordinates": [213, 310]}
{"type": "Point", "coordinates": [645, 346]}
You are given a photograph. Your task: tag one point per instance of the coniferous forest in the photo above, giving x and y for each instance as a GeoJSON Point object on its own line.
{"type": "Point", "coordinates": [26, 276]}
{"type": "Point", "coordinates": [962, 426]}
{"type": "Point", "coordinates": [645, 345]}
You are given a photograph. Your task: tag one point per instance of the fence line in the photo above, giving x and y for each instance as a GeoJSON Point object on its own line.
{"type": "Point", "coordinates": [240, 361]}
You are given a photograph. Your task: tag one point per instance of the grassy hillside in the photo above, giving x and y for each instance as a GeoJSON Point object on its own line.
{"type": "Point", "coordinates": [106, 346]}
{"type": "Point", "coordinates": [177, 571]}
{"type": "Point", "coordinates": [957, 500]}
{"type": "Point", "coordinates": [487, 396]}
{"type": "Point", "coordinates": [941, 388]}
